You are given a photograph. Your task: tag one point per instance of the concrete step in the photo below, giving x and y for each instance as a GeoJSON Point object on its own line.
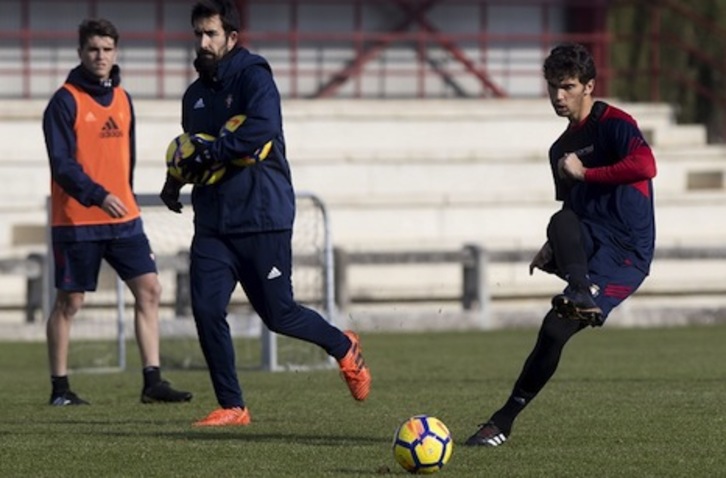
{"type": "Point", "coordinates": [395, 223]}
{"type": "Point", "coordinates": [443, 128]}
{"type": "Point", "coordinates": [405, 217]}
{"type": "Point", "coordinates": [438, 180]}
{"type": "Point", "coordinates": [503, 180]}
{"type": "Point", "coordinates": [398, 171]}
{"type": "Point", "coordinates": [691, 222]}
{"type": "Point", "coordinates": [677, 136]}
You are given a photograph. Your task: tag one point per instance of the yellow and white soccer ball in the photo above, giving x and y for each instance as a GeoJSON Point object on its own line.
{"type": "Point", "coordinates": [231, 126]}
{"type": "Point", "coordinates": [181, 148]}
{"type": "Point", "coordinates": [422, 445]}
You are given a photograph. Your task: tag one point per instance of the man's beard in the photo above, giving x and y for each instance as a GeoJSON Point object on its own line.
{"type": "Point", "coordinates": [206, 64]}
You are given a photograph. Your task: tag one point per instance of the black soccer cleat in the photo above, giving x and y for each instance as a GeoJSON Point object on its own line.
{"type": "Point", "coordinates": [488, 435]}
{"type": "Point", "coordinates": [578, 304]}
{"type": "Point", "coordinates": [162, 392]}
{"type": "Point", "coordinates": [66, 398]}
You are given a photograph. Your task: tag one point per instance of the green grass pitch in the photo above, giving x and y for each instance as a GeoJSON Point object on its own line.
{"type": "Point", "coordinates": [624, 403]}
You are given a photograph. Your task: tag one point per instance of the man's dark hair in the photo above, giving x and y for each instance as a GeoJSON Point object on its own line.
{"type": "Point", "coordinates": [570, 60]}
{"type": "Point", "coordinates": [92, 27]}
{"type": "Point", "coordinates": [226, 9]}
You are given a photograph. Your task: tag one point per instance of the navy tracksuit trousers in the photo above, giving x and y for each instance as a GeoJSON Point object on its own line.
{"type": "Point", "coordinates": [262, 264]}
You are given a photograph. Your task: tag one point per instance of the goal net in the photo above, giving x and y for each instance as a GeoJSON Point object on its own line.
{"type": "Point", "coordinates": [104, 326]}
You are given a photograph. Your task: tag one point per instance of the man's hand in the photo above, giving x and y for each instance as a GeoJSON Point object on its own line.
{"type": "Point", "coordinates": [170, 194]}
{"type": "Point", "coordinates": [570, 167]}
{"type": "Point", "coordinates": [196, 167]}
{"type": "Point", "coordinates": [543, 260]}
{"type": "Point", "coordinates": [113, 206]}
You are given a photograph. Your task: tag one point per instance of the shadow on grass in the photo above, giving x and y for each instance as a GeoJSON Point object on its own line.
{"type": "Point", "coordinates": [196, 434]}
{"type": "Point", "coordinates": [246, 434]}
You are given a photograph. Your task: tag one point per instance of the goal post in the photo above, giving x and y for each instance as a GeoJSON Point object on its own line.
{"type": "Point", "coordinates": [107, 314]}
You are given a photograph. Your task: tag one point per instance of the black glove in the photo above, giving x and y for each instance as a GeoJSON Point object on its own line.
{"type": "Point", "coordinates": [196, 167]}
{"type": "Point", "coordinates": [170, 193]}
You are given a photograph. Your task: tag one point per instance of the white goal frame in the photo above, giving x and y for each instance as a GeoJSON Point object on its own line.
{"type": "Point", "coordinates": [269, 347]}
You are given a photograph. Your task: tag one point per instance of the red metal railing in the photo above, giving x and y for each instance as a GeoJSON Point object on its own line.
{"type": "Point", "coordinates": [413, 23]}
{"type": "Point", "coordinates": [416, 27]}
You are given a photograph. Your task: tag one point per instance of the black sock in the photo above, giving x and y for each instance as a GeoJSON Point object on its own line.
{"type": "Point", "coordinates": [505, 416]}
{"type": "Point", "coordinates": [565, 238]}
{"type": "Point", "coordinates": [539, 367]}
{"type": "Point", "coordinates": [60, 384]}
{"type": "Point", "coordinates": [152, 376]}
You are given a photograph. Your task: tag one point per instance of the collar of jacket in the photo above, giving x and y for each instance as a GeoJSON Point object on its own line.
{"type": "Point", "coordinates": [90, 83]}
{"type": "Point", "coordinates": [215, 79]}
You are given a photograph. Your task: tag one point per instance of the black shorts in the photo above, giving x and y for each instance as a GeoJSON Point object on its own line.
{"type": "Point", "coordinates": [614, 276]}
{"type": "Point", "coordinates": [77, 264]}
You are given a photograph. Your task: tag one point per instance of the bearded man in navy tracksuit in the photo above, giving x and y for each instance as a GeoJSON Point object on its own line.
{"type": "Point", "coordinates": [601, 242]}
{"type": "Point", "coordinates": [243, 223]}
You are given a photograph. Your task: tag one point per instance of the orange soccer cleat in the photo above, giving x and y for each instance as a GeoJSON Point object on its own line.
{"type": "Point", "coordinates": [226, 417]}
{"type": "Point", "coordinates": [353, 369]}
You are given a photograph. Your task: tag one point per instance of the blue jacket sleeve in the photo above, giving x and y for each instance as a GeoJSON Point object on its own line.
{"type": "Point", "coordinates": [60, 142]}
{"type": "Point", "coordinates": [264, 117]}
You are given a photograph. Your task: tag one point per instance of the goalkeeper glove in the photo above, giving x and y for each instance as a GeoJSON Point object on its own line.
{"type": "Point", "coordinates": [170, 193]}
{"type": "Point", "coordinates": [195, 167]}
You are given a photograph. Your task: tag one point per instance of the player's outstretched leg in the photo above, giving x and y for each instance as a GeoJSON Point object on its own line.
{"type": "Point", "coordinates": [539, 367]}
{"type": "Point", "coordinates": [353, 369]}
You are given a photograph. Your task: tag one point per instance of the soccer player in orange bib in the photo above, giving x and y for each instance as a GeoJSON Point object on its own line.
{"type": "Point", "coordinates": [89, 135]}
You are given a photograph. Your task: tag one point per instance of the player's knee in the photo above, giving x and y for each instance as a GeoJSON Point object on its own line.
{"type": "Point", "coordinates": [562, 220]}
{"type": "Point", "coordinates": [67, 305]}
{"type": "Point", "coordinates": [147, 291]}
{"type": "Point", "coordinates": [282, 318]}
{"type": "Point", "coordinates": [153, 292]}
{"type": "Point", "coordinates": [208, 310]}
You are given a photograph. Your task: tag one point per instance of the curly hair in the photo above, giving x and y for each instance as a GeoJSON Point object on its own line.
{"type": "Point", "coordinates": [570, 60]}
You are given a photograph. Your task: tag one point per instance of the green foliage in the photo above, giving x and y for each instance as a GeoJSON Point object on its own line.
{"type": "Point", "coordinates": [625, 402]}
{"type": "Point", "coordinates": [671, 51]}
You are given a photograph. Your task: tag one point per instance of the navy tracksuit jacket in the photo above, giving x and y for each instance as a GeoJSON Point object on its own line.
{"type": "Point", "coordinates": [243, 224]}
